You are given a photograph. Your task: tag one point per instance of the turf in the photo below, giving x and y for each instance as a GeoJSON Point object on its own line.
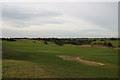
{"type": "Point", "coordinates": [46, 64]}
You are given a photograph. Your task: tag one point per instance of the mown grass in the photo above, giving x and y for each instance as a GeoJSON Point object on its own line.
{"type": "Point", "coordinates": [44, 57]}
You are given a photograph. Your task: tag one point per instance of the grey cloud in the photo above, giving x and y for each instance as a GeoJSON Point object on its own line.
{"type": "Point", "coordinates": [14, 14]}
{"type": "Point", "coordinates": [103, 14]}
{"type": "Point", "coordinates": [27, 23]}
{"type": "Point", "coordinates": [21, 13]}
{"type": "Point", "coordinates": [26, 14]}
{"type": "Point", "coordinates": [24, 17]}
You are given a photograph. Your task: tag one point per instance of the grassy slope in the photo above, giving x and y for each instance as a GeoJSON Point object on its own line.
{"type": "Point", "coordinates": [22, 69]}
{"type": "Point", "coordinates": [44, 56]}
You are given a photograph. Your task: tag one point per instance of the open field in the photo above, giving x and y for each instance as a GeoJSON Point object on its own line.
{"type": "Point", "coordinates": [25, 59]}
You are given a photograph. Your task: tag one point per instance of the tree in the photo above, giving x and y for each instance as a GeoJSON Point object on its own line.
{"type": "Point", "coordinates": [45, 42]}
{"type": "Point", "coordinates": [59, 42]}
{"type": "Point", "coordinates": [102, 39]}
{"type": "Point", "coordinates": [105, 43]}
{"type": "Point", "coordinates": [11, 39]}
{"type": "Point", "coordinates": [109, 44]}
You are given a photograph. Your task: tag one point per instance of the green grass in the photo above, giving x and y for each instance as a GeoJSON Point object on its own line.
{"type": "Point", "coordinates": [46, 64]}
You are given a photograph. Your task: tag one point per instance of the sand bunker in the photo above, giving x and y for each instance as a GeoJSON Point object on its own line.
{"type": "Point", "coordinates": [77, 59]}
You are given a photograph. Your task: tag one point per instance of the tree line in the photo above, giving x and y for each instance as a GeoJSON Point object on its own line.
{"type": "Point", "coordinates": [73, 41]}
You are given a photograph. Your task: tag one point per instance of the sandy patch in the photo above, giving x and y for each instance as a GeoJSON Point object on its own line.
{"type": "Point", "coordinates": [77, 59]}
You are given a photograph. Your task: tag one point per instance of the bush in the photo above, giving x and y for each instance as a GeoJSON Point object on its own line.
{"type": "Point", "coordinates": [109, 44]}
{"type": "Point", "coordinates": [45, 42]}
{"type": "Point", "coordinates": [59, 42]}
{"type": "Point", "coordinates": [105, 43]}
{"type": "Point", "coordinates": [11, 39]}
{"type": "Point", "coordinates": [34, 41]}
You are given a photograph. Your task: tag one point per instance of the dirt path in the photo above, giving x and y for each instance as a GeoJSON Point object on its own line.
{"type": "Point", "coordinates": [77, 59]}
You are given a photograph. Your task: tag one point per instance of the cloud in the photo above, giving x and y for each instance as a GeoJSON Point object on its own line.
{"type": "Point", "coordinates": [70, 24]}
{"type": "Point", "coordinates": [13, 12]}
{"type": "Point", "coordinates": [60, 19]}
{"type": "Point", "coordinates": [103, 14]}
{"type": "Point", "coordinates": [24, 17]}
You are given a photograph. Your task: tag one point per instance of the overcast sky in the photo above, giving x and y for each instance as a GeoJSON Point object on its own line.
{"type": "Point", "coordinates": [60, 19]}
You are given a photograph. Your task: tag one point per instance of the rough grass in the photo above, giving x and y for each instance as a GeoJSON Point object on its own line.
{"type": "Point", "coordinates": [115, 43]}
{"type": "Point", "coordinates": [21, 69]}
{"type": "Point", "coordinates": [44, 57]}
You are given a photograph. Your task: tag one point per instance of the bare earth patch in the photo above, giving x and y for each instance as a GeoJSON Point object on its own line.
{"type": "Point", "coordinates": [77, 59]}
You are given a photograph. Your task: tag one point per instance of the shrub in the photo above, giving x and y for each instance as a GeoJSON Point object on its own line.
{"type": "Point", "coordinates": [45, 42]}
{"type": "Point", "coordinates": [105, 43]}
{"type": "Point", "coordinates": [34, 41]}
{"type": "Point", "coordinates": [59, 42]}
{"type": "Point", "coordinates": [109, 44]}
